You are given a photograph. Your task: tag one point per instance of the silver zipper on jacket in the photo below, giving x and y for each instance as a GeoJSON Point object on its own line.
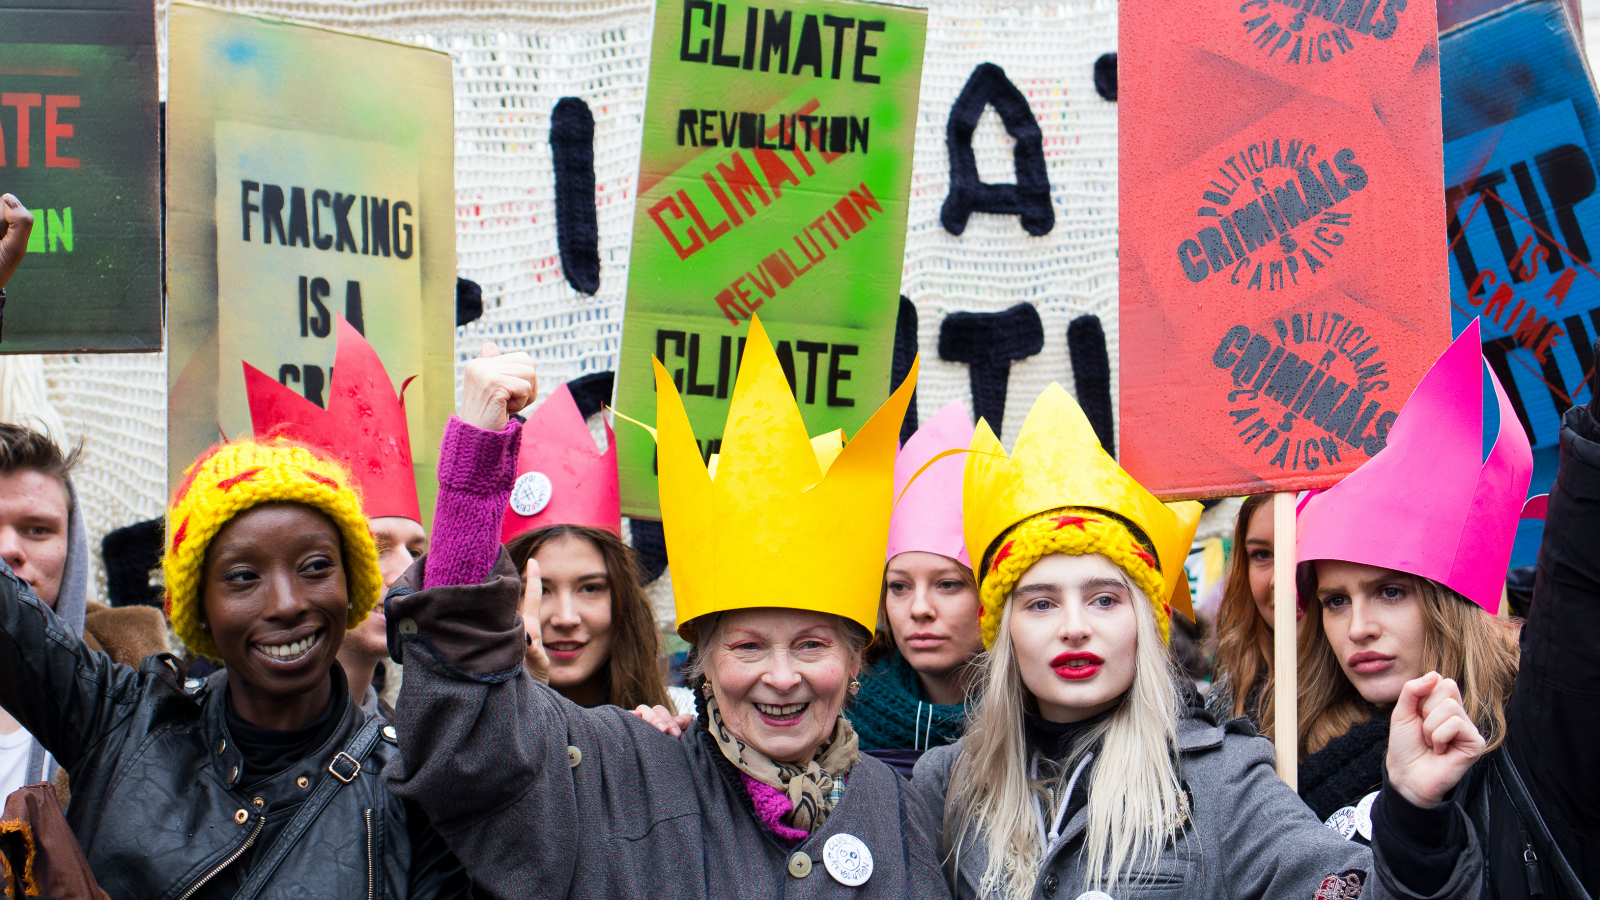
{"type": "Point", "coordinates": [239, 851]}
{"type": "Point", "coordinates": [369, 854]}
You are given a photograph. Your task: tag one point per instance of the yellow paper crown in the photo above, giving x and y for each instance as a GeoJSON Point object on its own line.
{"type": "Point", "coordinates": [1058, 462]}
{"type": "Point", "coordinates": [785, 521]}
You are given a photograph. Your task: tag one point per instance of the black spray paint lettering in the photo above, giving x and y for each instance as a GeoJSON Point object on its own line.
{"type": "Point", "coordinates": [1274, 213]}
{"type": "Point", "coordinates": [1302, 382]}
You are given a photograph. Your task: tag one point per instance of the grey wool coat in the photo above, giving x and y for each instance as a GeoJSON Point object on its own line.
{"type": "Point", "coordinates": [1248, 836]}
{"type": "Point", "coordinates": [542, 798]}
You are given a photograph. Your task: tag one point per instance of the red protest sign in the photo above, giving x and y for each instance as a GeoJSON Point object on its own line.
{"type": "Point", "coordinates": [1283, 285]}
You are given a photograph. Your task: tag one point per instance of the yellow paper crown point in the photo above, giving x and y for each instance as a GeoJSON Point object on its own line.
{"type": "Point", "coordinates": [1058, 462]}
{"type": "Point", "coordinates": [788, 521]}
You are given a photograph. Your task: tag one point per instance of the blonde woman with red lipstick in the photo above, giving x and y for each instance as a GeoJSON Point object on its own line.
{"type": "Point", "coordinates": [1083, 774]}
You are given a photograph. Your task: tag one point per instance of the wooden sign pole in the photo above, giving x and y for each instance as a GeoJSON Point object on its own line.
{"type": "Point", "coordinates": [1285, 682]}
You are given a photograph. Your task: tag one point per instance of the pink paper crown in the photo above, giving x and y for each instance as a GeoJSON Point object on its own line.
{"type": "Point", "coordinates": [562, 477]}
{"type": "Point", "coordinates": [1429, 504]}
{"type": "Point", "coordinates": [364, 426]}
{"type": "Point", "coordinates": [928, 515]}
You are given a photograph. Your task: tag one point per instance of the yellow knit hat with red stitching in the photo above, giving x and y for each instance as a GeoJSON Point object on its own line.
{"type": "Point", "coordinates": [1076, 532]}
{"type": "Point", "coordinates": [234, 477]}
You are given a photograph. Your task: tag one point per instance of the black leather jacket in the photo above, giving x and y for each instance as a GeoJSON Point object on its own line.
{"type": "Point", "coordinates": [155, 794]}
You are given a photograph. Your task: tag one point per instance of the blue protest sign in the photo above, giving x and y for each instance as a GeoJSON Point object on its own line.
{"type": "Point", "coordinates": [1522, 133]}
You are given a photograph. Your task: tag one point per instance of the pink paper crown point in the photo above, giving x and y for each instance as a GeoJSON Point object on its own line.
{"type": "Point", "coordinates": [562, 477]}
{"type": "Point", "coordinates": [927, 517]}
{"type": "Point", "coordinates": [1429, 504]}
{"type": "Point", "coordinates": [364, 426]}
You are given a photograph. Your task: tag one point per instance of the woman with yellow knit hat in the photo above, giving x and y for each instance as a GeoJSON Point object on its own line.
{"type": "Point", "coordinates": [1084, 773]}
{"type": "Point", "coordinates": [262, 780]}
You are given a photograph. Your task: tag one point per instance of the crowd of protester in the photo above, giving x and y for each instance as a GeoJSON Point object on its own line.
{"type": "Point", "coordinates": [979, 674]}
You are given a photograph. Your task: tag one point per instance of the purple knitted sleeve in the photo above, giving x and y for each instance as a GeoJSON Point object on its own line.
{"type": "Point", "coordinates": [476, 471]}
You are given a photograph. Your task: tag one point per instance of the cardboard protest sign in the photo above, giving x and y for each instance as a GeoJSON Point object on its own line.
{"type": "Point", "coordinates": [310, 177]}
{"type": "Point", "coordinates": [79, 146]}
{"type": "Point", "coordinates": [1522, 134]}
{"type": "Point", "coordinates": [1281, 286]}
{"type": "Point", "coordinates": [775, 175]}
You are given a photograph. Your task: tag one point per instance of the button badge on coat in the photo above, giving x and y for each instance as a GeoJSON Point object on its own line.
{"type": "Point", "coordinates": [1094, 895]}
{"type": "Point", "coordinates": [1364, 815]}
{"type": "Point", "coordinates": [848, 859]}
{"type": "Point", "coordinates": [531, 493]}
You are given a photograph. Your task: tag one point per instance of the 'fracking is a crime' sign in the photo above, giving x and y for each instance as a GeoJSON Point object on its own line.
{"type": "Point", "coordinates": [311, 178]}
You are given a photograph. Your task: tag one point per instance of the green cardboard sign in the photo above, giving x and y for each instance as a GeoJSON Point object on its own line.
{"type": "Point", "coordinates": [774, 182]}
{"type": "Point", "coordinates": [79, 121]}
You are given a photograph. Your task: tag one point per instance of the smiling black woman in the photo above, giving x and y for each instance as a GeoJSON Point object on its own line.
{"type": "Point", "coordinates": [262, 780]}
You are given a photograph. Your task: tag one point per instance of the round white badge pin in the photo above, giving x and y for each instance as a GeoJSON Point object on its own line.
{"type": "Point", "coordinates": [1094, 895]}
{"type": "Point", "coordinates": [848, 859]}
{"type": "Point", "coordinates": [531, 493]}
{"type": "Point", "coordinates": [1364, 815]}
{"type": "Point", "coordinates": [1343, 821]}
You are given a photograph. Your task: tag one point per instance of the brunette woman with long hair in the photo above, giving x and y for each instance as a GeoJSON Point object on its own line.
{"type": "Point", "coordinates": [597, 625]}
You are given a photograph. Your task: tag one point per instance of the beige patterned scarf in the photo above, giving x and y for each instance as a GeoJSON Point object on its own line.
{"type": "Point", "coordinates": [813, 789]}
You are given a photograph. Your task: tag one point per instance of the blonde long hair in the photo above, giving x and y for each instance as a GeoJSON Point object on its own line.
{"type": "Point", "coordinates": [1135, 801]}
{"type": "Point", "coordinates": [1459, 640]}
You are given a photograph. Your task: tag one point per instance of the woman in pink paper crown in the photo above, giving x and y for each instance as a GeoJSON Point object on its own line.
{"type": "Point", "coordinates": [1403, 565]}
{"type": "Point", "coordinates": [920, 668]}
{"type": "Point", "coordinates": [598, 641]}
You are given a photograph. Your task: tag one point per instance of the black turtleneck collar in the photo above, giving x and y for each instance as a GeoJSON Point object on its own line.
{"type": "Point", "coordinates": [1054, 740]}
{"type": "Point", "coordinates": [267, 751]}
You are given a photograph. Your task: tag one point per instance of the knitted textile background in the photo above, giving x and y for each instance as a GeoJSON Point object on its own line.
{"type": "Point", "coordinates": [515, 60]}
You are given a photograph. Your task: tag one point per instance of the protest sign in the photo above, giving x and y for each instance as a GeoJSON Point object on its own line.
{"type": "Point", "coordinates": [310, 177]}
{"type": "Point", "coordinates": [79, 123]}
{"type": "Point", "coordinates": [774, 178]}
{"type": "Point", "coordinates": [1522, 132]}
{"type": "Point", "coordinates": [1281, 287]}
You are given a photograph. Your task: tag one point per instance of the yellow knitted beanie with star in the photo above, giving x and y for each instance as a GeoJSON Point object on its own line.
{"type": "Point", "coordinates": [234, 477]}
{"type": "Point", "coordinates": [1075, 532]}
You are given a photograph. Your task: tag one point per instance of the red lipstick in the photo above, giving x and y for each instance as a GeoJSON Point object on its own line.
{"type": "Point", "coordinates": [1076, 665]}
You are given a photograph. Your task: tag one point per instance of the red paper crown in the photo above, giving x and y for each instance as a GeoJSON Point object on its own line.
{"type": "Point", "coordinates": [364, 426]}
{"type": "Point", "coordinates": [562, 477]}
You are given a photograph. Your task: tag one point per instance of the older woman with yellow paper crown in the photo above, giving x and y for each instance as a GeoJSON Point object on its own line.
{"type": "Point", "coordinates": [776, 559]}
{"type": "Point", "coordinates": [1082, 773]}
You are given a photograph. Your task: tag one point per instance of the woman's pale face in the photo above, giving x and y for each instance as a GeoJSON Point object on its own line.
{"type": "Point", "coordinates": [932, 609]}
{"type": "Point", "coordinates": [780, 677]}
{"type": "Point", "coordinates": [1375, 624]}
{"type": "Point", "coordinates": [1258, 553]}
{"type": "Point", "coordinates": [574, 609]}
{"type": "Point", "coordinates": [1075, 632]}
